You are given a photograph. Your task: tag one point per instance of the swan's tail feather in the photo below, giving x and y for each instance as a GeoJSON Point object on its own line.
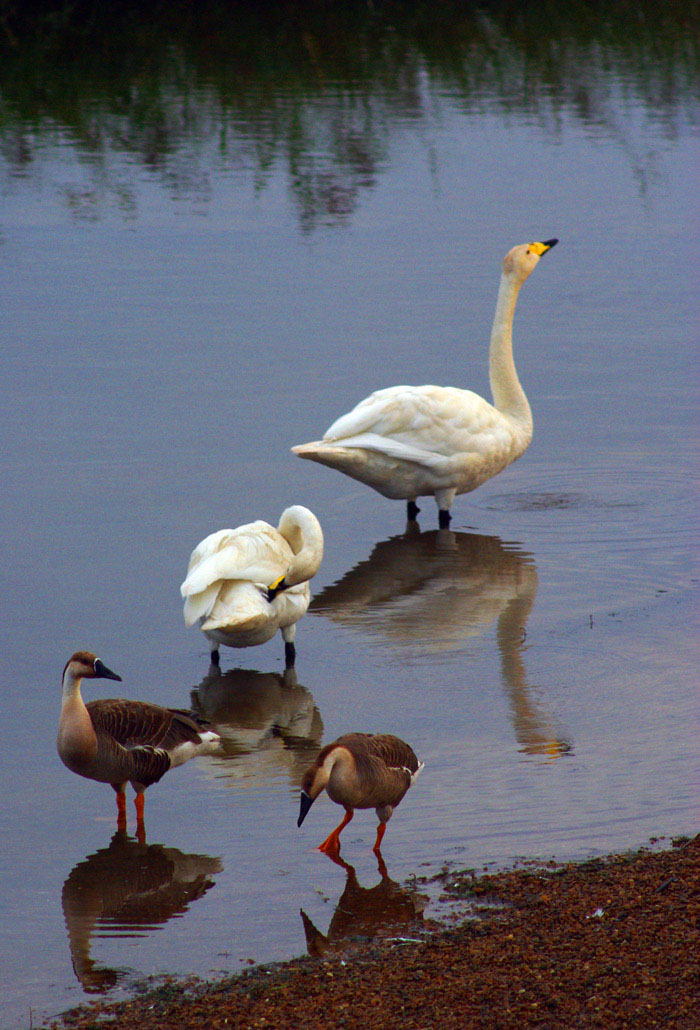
{"type": "Point", "coordinates": [307, 450]}
{"type": "Point", "coordinates": [350, 460]}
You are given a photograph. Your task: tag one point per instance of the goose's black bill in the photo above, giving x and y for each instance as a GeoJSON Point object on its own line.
{"type": "Point", "coordinates": [305, 804]}
{"type": "Point", "coordinates": [102, 672]}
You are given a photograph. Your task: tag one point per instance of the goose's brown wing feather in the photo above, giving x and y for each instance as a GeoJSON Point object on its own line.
{"type": "Point", "coordinates": [185, 727]}
{"type": "Point", "coordinates": [139, 763]}
{"type": "Point", "coordinates": [393, 752]}
{"type": "Point", "coordinates": [130, 723]}
{"type": "Point", "coordinates": [148, 764]}
{"type": "Point", "coordinates": [138, 723]}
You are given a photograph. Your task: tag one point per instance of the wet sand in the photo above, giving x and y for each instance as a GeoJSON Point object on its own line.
{"type": "Point", "coordinates": [608, 943]}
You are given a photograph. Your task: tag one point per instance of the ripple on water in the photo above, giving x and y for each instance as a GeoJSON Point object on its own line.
{"type": "Point", "coordinates": [620, 528]}
{"type": "Point", "coordinates": [546, 500]}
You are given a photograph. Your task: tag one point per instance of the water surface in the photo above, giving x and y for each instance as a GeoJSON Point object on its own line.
{"type": "Point", "coordinates": [206, 257]}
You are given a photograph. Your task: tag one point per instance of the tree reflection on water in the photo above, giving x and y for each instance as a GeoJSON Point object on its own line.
{"type": "Point", "coordinates": [322, 90]}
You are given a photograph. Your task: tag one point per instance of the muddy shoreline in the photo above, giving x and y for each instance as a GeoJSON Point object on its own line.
{"type": "Point", "coordinates": [611, 943]}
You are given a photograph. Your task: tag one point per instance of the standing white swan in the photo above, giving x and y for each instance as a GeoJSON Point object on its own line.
{"type": "Point", "coordinates": [411, 441]}
{"type": "Point", "coordinates": [244, 584]}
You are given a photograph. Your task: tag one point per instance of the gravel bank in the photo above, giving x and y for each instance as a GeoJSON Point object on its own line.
{"type": "Point", "coordinates": [609, 943]}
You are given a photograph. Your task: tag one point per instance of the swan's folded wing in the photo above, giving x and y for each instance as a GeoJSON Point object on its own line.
{"type": "Point", "coordinates": [424, 419]}
{"type": "Point", "coordinates": [239, 606]}
{"type": "Point", "coordinates": [255, 552]}
{"type": "Point", "coordinates": [198, 606]}
{"type": "Point", "coordinates": [391, 447]}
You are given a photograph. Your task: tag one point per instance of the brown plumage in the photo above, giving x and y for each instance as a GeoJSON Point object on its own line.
{"type": "Point", "coordinates": [118, 741]}
{"type": "Point", "coordinates": [360, 770]}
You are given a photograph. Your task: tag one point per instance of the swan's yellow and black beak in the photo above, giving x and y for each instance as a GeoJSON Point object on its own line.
{"type": "Point", "coordinates": [102, 672]}
{"type": "Point", "coordinates": [542, 248]}
{"type": "Point", "coordinates": [274, 588]}
{"type": "Point", "coordinates": [304, 805]}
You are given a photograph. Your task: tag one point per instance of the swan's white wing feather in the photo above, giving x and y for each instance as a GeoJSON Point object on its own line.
{"type": "Point", "coordinates": [391, 448]}
{"type": "Point", "coordinates": [240, 606]}
{"type": "Point", "coordinates": [255, 552]}
{"type": "Point", "coordinates": [197, 606]}
{"type": "Point", "coordinates": [428, 420]}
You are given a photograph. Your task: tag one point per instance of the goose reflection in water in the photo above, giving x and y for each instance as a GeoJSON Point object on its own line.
{"type": "Point", "coordinates": [433, 591]}
{"type": "Point", "coordinates": [365, 912]}
{"type": "Point", "coordinates": [267, 721]}
{"type": "Point", "coordinates": [127, 890]}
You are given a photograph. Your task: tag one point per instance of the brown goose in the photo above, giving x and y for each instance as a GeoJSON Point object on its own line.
{"type": "Point", "coordinates": [117, 741]}
{"type": "Point", "coordinates": [360, 770]}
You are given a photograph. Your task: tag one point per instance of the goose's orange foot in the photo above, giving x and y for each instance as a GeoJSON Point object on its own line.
{"type": "Point", "coordinates": [331, 845]}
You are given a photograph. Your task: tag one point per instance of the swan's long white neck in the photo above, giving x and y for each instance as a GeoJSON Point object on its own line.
{"type": "Point", "coordinates": [508, 395]}
{"type": "Point", "coordinates": [303, 533]}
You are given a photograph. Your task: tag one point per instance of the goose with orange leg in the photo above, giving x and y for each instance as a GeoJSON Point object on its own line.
{"type": "Point", "coordinates": [360, 770]}
{"type": "Point", "coordinates": [118, 741]}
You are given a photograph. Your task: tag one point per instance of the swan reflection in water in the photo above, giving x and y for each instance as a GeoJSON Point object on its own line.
{"type": "Point", "coordinates": [267, 722]}
{"type": "Point", "coordinates": [433, 591]}
{"type": "Point", "coordinates": [365, 912]}
{"type": "Point", "coordinates": [127, 890]}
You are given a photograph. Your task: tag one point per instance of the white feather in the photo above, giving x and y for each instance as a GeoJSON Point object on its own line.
{"type": "Point", "coordinates": [230, 571]}
{"type": "Point", "coordinates": [411, 441]}
{"type": "Point", "coordinates": [208, 743]}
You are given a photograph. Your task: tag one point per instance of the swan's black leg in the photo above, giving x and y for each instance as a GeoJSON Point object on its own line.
{"type": "Point", "coordinates": [412, 510]}
{"type": "Point", "coordinates": [214, 657]}
{"type": "Point", "coordinates": [290, 654]}
{"type": "Point", "coordinates": [444, 518]}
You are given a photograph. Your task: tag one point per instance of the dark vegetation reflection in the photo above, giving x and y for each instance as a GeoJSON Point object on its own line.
{"type": "Point", "coordinates": [128, 889]}
{"type": "Point", "coordinates": [267, 722]}
{"type": "Point", "coordinates": [320, 89]}
{"type": "Point", "coordinates": [363, 913]}
{"type": "Point", "coordinates": [432, 592]}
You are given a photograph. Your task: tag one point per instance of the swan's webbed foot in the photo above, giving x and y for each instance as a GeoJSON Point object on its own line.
{"type": "Point", "coordinates": [412, 511]}
{"type": "Point", "coordinates": [444, 518]}
{"type": "Point", "coordinates": [290, 654]}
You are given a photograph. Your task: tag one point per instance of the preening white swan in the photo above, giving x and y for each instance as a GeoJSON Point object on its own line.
{"type": "Point", "coordinates": [244, 584]}
{"type": "Point", "coordinates": [412, 441]}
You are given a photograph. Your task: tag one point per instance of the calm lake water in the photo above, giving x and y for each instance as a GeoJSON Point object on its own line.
{"type": "Point", "coordinates": [207, 253]}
